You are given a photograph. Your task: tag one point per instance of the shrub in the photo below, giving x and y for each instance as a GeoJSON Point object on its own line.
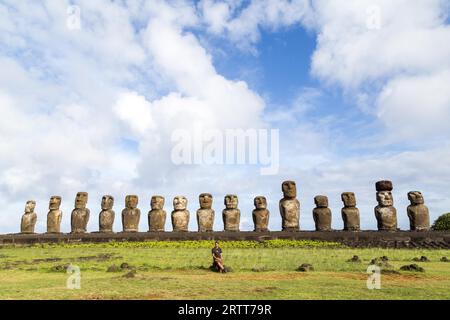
{"type": "Point", "coordinates": [442, 223]}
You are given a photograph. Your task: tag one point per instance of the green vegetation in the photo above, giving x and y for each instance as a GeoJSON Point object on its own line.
{"type": "Point", "coordinates": [442, 223]}
{"type": "Point", "coordinates": [180, 270]}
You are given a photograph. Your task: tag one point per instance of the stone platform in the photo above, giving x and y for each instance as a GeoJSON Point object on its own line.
{"type": "Point", "coordinates": [363, 239]}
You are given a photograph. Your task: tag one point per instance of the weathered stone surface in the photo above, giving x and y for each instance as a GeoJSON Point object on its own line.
{"type": "Point", "coordinates": [29, 218]}
{"type": "Point", "coordinates": [205, 215]}
{"type": "Point", "coordinates": [418, 214]}
{"type": "Point", "coordinates": [261, 215]}
{"type": "Point", "coordinates": [54, 216]}
{"type": "Point", "coordinates": [350, 213]}
{"type": "Point", "coordinates": [231, 214]}
{"type": "Point", "coordinates": [180, 214]}
{"type": "Point", "coordinates": [290, 207]}
{"type": "Point", "coordinates": [107, 215]}
{"type": "Point", "coordinates": [80, 215]}
{"type": "Point", "coordinates": [131, 215]}
{"type": "Point", "coordinates": [157, 215]}
{"type": "Point", "coordinates": [385, 212]}
{"type": "Point", "coordinates": [322, 214]}
{"type": "Point", "coordinates": [384, 185]}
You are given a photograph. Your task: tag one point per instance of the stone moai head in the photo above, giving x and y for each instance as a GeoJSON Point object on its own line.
{"type": "Point", "coordinates": [321, 201]}
{"type": "Point", "coordinates": [55, 203]}
{"type": "Point", "coordinates": [385, 199]}
{"type": "Point", "coordinates": [107, 202]}
{"type": "Point", "coordinates": [384, 193]}
{"type": "Point", "coordinates": [289, 189]}
{"type": "Point", "coordinates": [157, 203]}
{"type": "Point", "coordinates": [231, 201]}
{"type": "Point", "coordinates": [30, 206]}
{"type": "Point", "coordinates": [131, 201]}
{"type": "Point", "coordinates": [416, 197]}
{"type": "Point", "coordinates": [206, 200]}
{"type": "Point", "coordinates": [349, 199]}
{"type": "Point", "coordinates": [81, 200]}
{"type": "Point", "coordinates": [260, 202]}
{"type": "Point", "coordinates": [180, 203]}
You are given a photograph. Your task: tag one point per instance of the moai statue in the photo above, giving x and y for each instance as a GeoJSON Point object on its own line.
{"type": "Point", "coordinates": [54, 215]}
{"type": "Point", "coordinates": [107, 215]}
{"type": "Point", "coordinates": [205, 215]}
{"type": "Point", "coordinates": [180, 214]}
{"type": "Point", "coordinates": [322, 214]}
{"type": "Point", "coordinates": [231, 214]}
{"type": "Point", "coordinates": [350, 213]}
{"type": "Point", "coordinates": [80, 215]}
{"type": "Point", "coordinates": [131, 215]}
{"type": "Point", "coordinates": [157, 216]}
{"type": "Point", "coordinates": [29, 218]}
{"type": "Point", "coordinates": [290, 207]}
{"type": "Point", "coordinates": [419, 216]}
{"type": "Point", "coordinates": [260, 215]}
{"type": "Point", "coordinates": [385, 212]}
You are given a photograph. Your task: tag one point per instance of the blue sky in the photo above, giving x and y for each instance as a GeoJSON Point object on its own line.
{"type": "Point", "coordinates": [356, 97]}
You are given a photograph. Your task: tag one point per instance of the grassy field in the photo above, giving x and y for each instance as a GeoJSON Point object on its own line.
{"type": "Point", "coordinates": [179, 270]}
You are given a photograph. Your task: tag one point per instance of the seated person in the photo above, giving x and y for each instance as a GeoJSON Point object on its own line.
{"type": "Point", "coordinates": [217, 258]}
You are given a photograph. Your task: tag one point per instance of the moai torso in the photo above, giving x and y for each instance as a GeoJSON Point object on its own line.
{"type": "Point", "coordinates": [131, 215]}
{"type": "Point", "coordinates": [80, 215]}
{"type": "Point", "coordinates": [385, 212]}
{"type": "Point", "coordinates": [180, 214]}
{"type": "Point", "coordinates": [205, 215]}
{"type": "Point", "coordinates": [350, 213]}
{"type": "Point", "coordinates": [29, 218]}
{"type": "Point", "coordinates": [322, 214]}
{"type": "Point", "coordinates": [54, 216]}
{"type": "Point", "coordinates": [157, 216]}
{"type": "Point", "coordinates": [261, 215]}
{"type": "Point", "coordinates": [107, 215]}
{"type": "Point", "coordinates": [231, 214]}
{"type": "Point", "coordinates": [290, 207]}
{"type": "Point", "coordinates": [418, 214]}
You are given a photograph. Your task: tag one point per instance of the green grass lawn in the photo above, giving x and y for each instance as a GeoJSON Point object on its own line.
{"type": "Point", "coordinates": [179, 270]}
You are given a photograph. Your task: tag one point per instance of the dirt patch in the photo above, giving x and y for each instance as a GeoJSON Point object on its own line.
{"type": "Point", "coordinates": [99, 257]}
{"type": "Point", "coordinates": [265, 289]}
{"type": "Point", "coordinates": [46, 260]}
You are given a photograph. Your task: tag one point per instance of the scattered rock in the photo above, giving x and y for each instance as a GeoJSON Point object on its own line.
{"type": "Point", "coordinates": [227, 269]}
{"type": "Point", "coordinates": [421, 259]}
{"type": "Point", "coordinates": [381, 262]}
{"type": "Point", "coordinates": [306, 267]}
{"type": "Point", "coordinates": [444, 259]}
{"type": "Point", "coordinates": [259, 269]}
{"type": "Point", "coordinates": [130, 274]}
{"type": "Point", "coordinates": [412, 267]}
{"type": "Point", "coordinates": [354, 259]}
{"type": "Point", "coordinates": [60, 268]}
{"type": "Point", "coordinates": [113, 268]}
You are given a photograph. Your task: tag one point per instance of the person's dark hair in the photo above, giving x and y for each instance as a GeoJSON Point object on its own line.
{"type": "Point", "coordinates": [217, 242]}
